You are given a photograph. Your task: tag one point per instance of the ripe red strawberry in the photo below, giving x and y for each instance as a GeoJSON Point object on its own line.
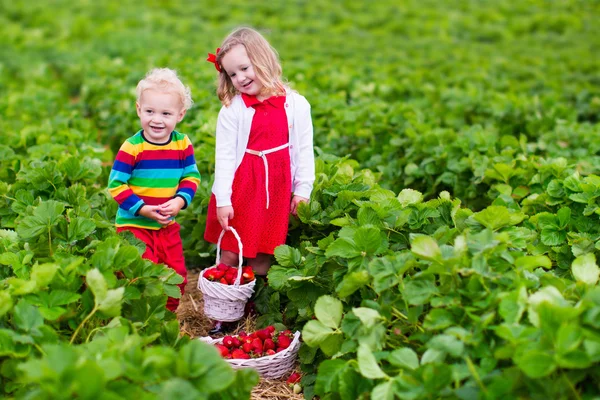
{"type": "Point", "coordinates": [209, 274]}
{"type": "Point", "coordinates": [270, 352]}
{"type": "Point", "coordinates": [263, 334]}
{"type": "Point", "coordinates": [223, 281]}
{"type": "Point", "coordinates": [239, 353]}
{"type": "Point", "coordinates": [270, 328]}
{"type": "Point", "coordinates": [247, 347]}
{"type": "Point", "coordinates": [257, 346]}
{"type": "Point", "coordinates": [228, 341]}
{"type": "Point", "coordinates": [236, 342]}
{"type": "Point", "coordinates": [279, 349]}
{"type": "Point", "coordinates": [293, 378]}
{"type": "Point", "coordinates": [247, 274]}
{"type": "Point", "coordinates": [283, 341]}
{"type": "Point", "coordinates": [223, 350]}
{"type": "Point", "coordinates": [222, 267]}
{"type": "Point", "coordinates": [218, 274]}
{"type": "Point", "coordinates": [268, 344]}
{"type": "Point", "coordinates": [230, 277]}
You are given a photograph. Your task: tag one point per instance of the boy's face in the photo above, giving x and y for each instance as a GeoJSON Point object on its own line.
{"type": "Point", "coordinates": [159, 113]}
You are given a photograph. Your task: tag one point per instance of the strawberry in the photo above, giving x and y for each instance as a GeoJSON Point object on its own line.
{"type": "Point", "coordinates": [247, 347]}
{"type": "Point", "coordinates": [230, 277]}
{"type": "Point", "coordinates": [283, 341]}
{"type": "Point", "coordinates": [223, 350]}
{"type": "Point", "coordinates": [270, 352]}
{"type": "Point", "coordinates": [218, 274]}
{"type": "Point", "coordinates": [263, 334]}
{"type": "Point", "coordinates": [223, 281]}
{"type": "Point", "coordinates": [222, 267]}
{"type": "Point", "coordinates": [293, 378]}
{"type": "Point", "coordinates": [209, 274]}
{"type": "Point", "coordinates": [247, 274]}
{"type": "Point", "coordinates": [268, 344]}
{"type": "Point", "coordinates": [279, 349]}
{"type": "Point", "coordinates": [270, 328]}
{"type": "Point", "coordinates": [257, 346]}
{"type": "Point", "coordinates": [239, 353]}
{"type": "Point", "coordinates": [236, 341]}
{"type": "Point", "coordinates": [228, 341]}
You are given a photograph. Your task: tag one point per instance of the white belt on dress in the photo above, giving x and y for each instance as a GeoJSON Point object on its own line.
{"type": "Point", "coordinates": [263, 155]}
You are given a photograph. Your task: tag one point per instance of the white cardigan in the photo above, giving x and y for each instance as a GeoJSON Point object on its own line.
{"type": "Point", "coordinates": [233, 132]}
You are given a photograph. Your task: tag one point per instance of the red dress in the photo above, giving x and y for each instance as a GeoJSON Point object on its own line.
{"type": "Point", "coordinates": [260, 229]}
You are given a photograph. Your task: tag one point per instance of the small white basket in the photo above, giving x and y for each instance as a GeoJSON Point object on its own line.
{"type": "Point", "coordinates": [225, 302]}
{"type": "Point", "coordinates": [270, 367]}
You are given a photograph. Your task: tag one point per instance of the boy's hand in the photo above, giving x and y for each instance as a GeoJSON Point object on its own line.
{"type": "Point", "coordinates": [154, 213]}
{"type": "Point", "coordinates": [224, 214]}
{"type": "Point", "coordinates": [172, 207]}
{"type": "Point", "coordinates": [295, 201]}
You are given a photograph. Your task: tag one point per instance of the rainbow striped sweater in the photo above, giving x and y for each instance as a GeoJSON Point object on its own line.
{"type": "Point", "coordinates": [147, 173]}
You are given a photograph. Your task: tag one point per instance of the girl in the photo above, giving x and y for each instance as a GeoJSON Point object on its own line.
{"type": "Point", "coordinates": [264, 151]}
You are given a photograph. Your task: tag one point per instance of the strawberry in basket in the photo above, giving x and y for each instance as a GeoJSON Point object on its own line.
{"type": "Point", "coordinates": [227, 275]}
{"type": "Point", "coordinates": [264, 342]}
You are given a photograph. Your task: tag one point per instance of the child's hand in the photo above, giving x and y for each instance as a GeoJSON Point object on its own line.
{"type": "Point", "coordinates": [172, 207]}
{"type": "Point", "coordinates": [224, 214]}
{"type": "Point", "coordinates": [153, 212]}
{"type": "Point", "coordinates": [295, 201]}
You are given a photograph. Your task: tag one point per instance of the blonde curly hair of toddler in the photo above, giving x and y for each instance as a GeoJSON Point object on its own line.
{"type": "Point", "coordinates": [165, 79]}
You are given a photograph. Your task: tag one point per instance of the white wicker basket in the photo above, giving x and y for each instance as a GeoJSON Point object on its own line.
{"type": "Point", "coordinates": [271, 367]}
{"type": "Point", "coordinates": [225, 302]}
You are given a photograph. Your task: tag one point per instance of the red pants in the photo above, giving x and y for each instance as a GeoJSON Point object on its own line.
{"type": "Point", "coordinates": [163, 246]}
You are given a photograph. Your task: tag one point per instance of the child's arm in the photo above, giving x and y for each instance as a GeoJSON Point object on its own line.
{"type": "Point", "coordinates": [118, 181]}
{"type": "Point", "coordinates": [225, 155]}
{"type": "Point", "coordinates": [305, 172]}
{"type": "Point", "coordinates": [188, 184]}
{"type": "Point", "coordinates": [295, 201]}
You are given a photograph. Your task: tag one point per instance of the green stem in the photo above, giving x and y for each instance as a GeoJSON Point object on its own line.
{"type": "Point", "coordinates": [570, 384]}
{"type": "Point", "coordinates": [50, 241]}
{"type": "Point", "coordinates": [82, 323]}
{"type": "Point", "coordinates": [473, 371]}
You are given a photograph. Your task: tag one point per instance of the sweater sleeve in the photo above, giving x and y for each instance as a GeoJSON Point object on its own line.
{"type": "Point", "coordinates": [225, 155]}
{"type": "Point", "coordinates": [190, 178]}
{"type": "Point", "coordinates": [305, 172]}
{"type": "Point", "coordinates": [118, 181]}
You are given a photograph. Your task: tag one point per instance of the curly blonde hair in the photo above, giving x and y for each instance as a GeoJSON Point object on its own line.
{"type": "Point", "coordinates": [264, 59]}
{"type": "Point", "coordinates": [165, 79]}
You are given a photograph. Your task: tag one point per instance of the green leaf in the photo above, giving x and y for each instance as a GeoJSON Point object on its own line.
{"type": "Point", "coordinates": [314, 333]}
{"type": "Point", "coordinates": [81, 228]}
{"type": "Point", "coordinates": [576, 359]}
{"type": "Point", "coordinates": [426, 247]}
{"type": "Point", "coordinates": [328, 311]}
{"type": "Point", "coordinates": [181, 389]}
{"type": "Point", "coordinates": [552, 237]}
{"type": "Point", "coordinates": [332, 344]}
{"type": "Point", "coordinates": [409, 196]}
{"type": "Point", "coordinates": [531, 262]}
{"type": "Point", "coordinates": [343, 247]}
{"type": "Point", "coordinates": [418, 291]}
{"type": "Point", "coordinates": [536, 363]}
{"type": "Point", "coordinates": [287, 256]}
{"type": "Point", "coordinates": [496, 217]}
{"type": "Point", "coordinates": [44, 217]}
{"type": "Point", "coordinates": [111, 303]}
{"type": "Point", "coordinates": [448, 344]}
{"type": "Point", "coordinates": [97, 284]}
{"type": "Point", "coordinates": [27, 317]}
{"type": "Point", "coordinates": [42, 274]}
{"type": "Point", "coordinates": [6, 302]}
{"type": "Point", "coordinates": [585, 270]}
{"type": "Point", "coordinates": [368, 240]}
{"type": "Point", "coordinates": [564, 217]}
{"type": "Point", "coordinates": [438, 318]}
{"type": "Point", "coordinates": [404, 358]}
{"type": "Point", "coordinates": [329, 373]}
{"type": "Point", "coordinates": [569, 337]}
{"type": "Point", "coordinates": [367, 364]}
{"type": "Point", "coordinates": [367, 316]}
{"type": "Point", "coordinates": [384, 391]}
{"type": "Point", "coordinates": [352, 282]}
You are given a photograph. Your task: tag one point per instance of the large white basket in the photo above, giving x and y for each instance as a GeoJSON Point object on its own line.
{"type": "Point", "coordinates": [270, 367]}
{"type": "Point", "coordinates": [225, 302]}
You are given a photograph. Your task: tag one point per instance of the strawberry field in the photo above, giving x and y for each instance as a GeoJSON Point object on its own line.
{"type": "Point", "coordinates": [451, 245]}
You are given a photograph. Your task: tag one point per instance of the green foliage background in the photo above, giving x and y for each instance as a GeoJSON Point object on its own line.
{"type": "Point", "coordinates": [487, 110]}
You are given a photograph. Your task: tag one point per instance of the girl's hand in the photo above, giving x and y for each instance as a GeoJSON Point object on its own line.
{"type": "Point", "coordinates": [295, 201]}
{"type": "Point", "coordinates": [172, 207]}
{"type": "Point", "coordinates": [224, 214]}
{"type": "Point", "coordinates": [153, 212]}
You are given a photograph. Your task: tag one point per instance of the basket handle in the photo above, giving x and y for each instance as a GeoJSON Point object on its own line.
{"type": "Point", "coordinates": [240, 256]}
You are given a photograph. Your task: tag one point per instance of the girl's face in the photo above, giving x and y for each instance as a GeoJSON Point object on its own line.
{"type": "Point", "coordinates": [159, 113]}
{"type": "Point", "coordinates": [238, 67]}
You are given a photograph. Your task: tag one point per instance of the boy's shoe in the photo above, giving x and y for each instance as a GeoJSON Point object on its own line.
{"type": "Point", "coordinates": [221, 328]}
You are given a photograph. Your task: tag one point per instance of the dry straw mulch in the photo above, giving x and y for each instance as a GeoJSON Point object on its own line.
{"type": "Point", "coordinates": [195, 324]}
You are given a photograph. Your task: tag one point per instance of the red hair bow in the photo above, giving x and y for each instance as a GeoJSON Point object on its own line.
{"type": "Point", "coordinates": [213, 59]}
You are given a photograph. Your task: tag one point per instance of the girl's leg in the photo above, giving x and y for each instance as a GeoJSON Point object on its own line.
{"type": "Point", "coordinates": [261, 263]}
{"type": "Point", "coordinates": [229, 258]}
